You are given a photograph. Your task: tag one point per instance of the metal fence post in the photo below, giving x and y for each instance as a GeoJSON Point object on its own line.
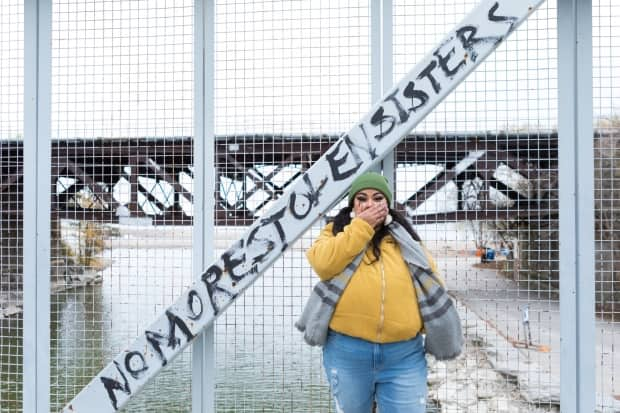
{"type": "Point", "coordinates": [376, 88]}
{"type": "Point", "coordinates": [203, 355]}
{"type": "Point", "coordinates": [387, 79]}
{"type": "Point", "coordinates": [576, 182]}
{"type": "Point", "coordinates": [381, 66]}
{"type": "Point", "coordinates": [36, 205]}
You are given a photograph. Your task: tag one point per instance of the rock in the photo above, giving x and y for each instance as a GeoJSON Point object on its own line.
{"type": "Point", "coordinates": [472, 384]}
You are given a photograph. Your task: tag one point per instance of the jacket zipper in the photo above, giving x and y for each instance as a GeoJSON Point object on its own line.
{"type": "Point", "coordinates": [382, 306]}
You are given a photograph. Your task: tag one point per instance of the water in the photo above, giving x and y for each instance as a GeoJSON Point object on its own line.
{"type": "Point", "coordinates": [11, 366]}
{"type": "Point", "coordinates": [262, 364]}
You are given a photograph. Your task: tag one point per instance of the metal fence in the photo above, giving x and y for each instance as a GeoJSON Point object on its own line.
{"type": "Point", "coordinates": [120, 71]}
{"type": "Point", "coordinates": [284, 71]}
{"type": "Point", "coordinates": [172, 126]}
{"type": "Point", "coordinates": [605, 93]}
{"type": "Point", "coordinates": [12, 132]}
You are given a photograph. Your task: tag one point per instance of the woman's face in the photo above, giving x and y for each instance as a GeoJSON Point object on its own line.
{"type": "Point", "coordinates": [367, 198]}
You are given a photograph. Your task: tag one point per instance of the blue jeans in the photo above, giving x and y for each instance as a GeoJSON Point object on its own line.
{"type": "Point", "coordinates": [393, 374]}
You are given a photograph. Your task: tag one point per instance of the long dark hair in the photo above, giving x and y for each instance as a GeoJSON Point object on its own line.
{"type": "Point", "coordinates": [343, 218]}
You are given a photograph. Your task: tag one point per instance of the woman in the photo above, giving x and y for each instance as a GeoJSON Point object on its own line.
{"type": "Point", "coordinates": [374, 350]}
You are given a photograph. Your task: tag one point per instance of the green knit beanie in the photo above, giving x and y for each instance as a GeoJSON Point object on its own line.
{"type": "Point", "coordinates": [370, 180]}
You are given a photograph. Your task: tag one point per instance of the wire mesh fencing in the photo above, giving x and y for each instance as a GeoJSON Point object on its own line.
{"type": "Point", "coordinates": [11, 197]}
{"type": "Point", "coordinates": [606, 101]}
{"type": "Point", "coordinates": [122, 141]}
{"type": "Point", "coordinates": [290, 77]}
{"type": "Point", "coordinates": [478, 179]}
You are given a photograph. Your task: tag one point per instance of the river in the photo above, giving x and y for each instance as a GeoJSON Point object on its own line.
{"type": "Point", "coordinates": [262, 364]}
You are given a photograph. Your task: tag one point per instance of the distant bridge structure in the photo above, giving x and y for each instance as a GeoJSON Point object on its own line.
{"type": "Point", "coordinates": [106, 180]}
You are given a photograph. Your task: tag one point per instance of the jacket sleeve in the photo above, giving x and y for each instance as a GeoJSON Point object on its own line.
{"type": "Point", "coordinates": [330, 254]}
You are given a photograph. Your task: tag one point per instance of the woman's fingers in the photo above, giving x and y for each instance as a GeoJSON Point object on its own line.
{"type": "Point", "coordinates": [374, 215]}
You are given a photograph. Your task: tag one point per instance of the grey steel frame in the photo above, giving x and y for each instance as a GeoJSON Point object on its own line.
{"type": "Point", "coordinates": [576, 194]}
{"type": "Point", "coordinates": [36, 201]}
{"type": "Point", "coordinates": [203, 348]}
{"type": "Point", "coordinates": [382, 74]}
{"type": "Point", "coordinates": [576, 189]}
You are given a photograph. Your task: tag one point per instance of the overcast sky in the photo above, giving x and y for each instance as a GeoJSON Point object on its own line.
{"type": "Point", "coordinates": [125, 68]}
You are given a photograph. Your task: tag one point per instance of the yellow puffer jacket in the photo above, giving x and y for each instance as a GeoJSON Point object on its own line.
{"type": "Point", "coordinates": [379, 304]}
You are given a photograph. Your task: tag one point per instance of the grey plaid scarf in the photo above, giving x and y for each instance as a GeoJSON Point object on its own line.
{"type": "Point", "coordinates": [442, 324]}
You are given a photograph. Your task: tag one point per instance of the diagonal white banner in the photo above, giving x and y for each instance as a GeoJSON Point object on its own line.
{"type": "Point", "coordinates": [314, 193]}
